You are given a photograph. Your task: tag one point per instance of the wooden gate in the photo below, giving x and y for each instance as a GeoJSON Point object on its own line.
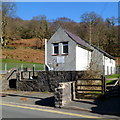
{"type": "Point", "coordinates": [89, 88]}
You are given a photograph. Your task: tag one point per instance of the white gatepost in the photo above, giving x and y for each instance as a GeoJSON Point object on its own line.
{"type": "Point", "coordinates": [34, 66]}
{"type": "Point", "coordinates": [21, 67]}
{"type": "Point", "coordinates": [5, 67]}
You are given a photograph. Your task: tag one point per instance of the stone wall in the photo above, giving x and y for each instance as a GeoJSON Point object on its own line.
{"type": "Point", "coordinates": [47, 81]}
{"type": "Point", "coordinates": [6, 82]}
{"type": "Point", "coordinates": [63, 94]}
{"type": "Point", "coordinates": [42, 80]}
{"type": "Point", "coordinates": [7, 78]}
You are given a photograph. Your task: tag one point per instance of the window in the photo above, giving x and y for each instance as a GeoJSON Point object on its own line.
{"type": "Point", "coordinates": [65, 48]}
{"type": "Point", "coordinates": [111, 70]}
{"type": "Point", "coordinates": [55, 48]}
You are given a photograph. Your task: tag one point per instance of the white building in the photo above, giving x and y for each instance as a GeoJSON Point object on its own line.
{"type": "Point", "coordinates": [67, 52]}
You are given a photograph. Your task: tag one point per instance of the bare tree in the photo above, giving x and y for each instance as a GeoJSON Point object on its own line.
{"type": "Point", "coordinates": [8, 10]}
{"type": "Point", "coordinates": [90, 19]}
{"type": "Point", "coordinates": [40, 28]}
{"type": "Point", "coordinates": [65, 23]}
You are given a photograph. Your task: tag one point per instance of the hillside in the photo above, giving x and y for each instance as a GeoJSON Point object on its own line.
{"type": "Point", "coordinates": [23, 50]}
{"type": "Point", "coordinates": [33, 43]}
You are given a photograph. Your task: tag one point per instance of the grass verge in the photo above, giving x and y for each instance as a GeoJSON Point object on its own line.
{"type": "Point", "coordinates": [113, 76]}
{"type": "Point", "coordinates": [12, 63]}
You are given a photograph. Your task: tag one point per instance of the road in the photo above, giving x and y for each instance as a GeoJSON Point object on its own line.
{"type": "Point", "coordinates": [30, 105]}
{"type": "Point", "coordinates": [18, 111]}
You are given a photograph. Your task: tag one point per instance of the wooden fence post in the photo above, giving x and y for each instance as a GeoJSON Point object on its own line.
{"type": "Point", "coordinates": [73, 91]}
{"type": "Point", "coordinates": [103, 84]}
{"type": "Point", "coordinates": [33, 71]}
{"type": "Point", "coordinates": [29, 74]}
{"type": "Point", "coordinates": [18, 78]}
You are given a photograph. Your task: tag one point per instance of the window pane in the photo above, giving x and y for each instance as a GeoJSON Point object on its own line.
{"type": "Point", "coordinates": [56, 48]}
{"type": "Point", "coordinates": [65, 47]}
{"type": "Point", "coordinates": [56, 51]}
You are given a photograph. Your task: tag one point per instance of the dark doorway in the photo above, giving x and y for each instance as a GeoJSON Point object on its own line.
{"type": "Point", "coordinates": [12, 83]}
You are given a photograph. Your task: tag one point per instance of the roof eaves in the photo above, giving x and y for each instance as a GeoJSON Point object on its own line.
{"type": "Point", "coordinates": [105, 53]}
{"type": "Point", "coordinates": [86, 44]}
{"type": "Point", "coordinates": [78, 40]}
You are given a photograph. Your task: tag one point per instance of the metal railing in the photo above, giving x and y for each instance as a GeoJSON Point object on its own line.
{"type": "Point", "coordinates": [7, 66]}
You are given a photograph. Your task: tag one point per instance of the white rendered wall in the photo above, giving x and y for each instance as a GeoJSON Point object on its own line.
{"type": "Point", "coordinates": [82, 61]}
{"type": "Point", "coordinates": [114, 67]}
{"type": "Point", "coordinates": [109, 65]}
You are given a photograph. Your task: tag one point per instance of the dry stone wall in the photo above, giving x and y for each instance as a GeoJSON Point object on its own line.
{"type": "Point", "coordinates": [50, 80]}
{"type": "Point", "coordinates": [63, 94]}
{"type": "Point", "coordinates": [47, 81]}
{"type": "Point", "coordinates": [43, 80]}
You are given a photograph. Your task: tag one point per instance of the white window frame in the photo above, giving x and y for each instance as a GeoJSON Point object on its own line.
{"type": "Point", "coordinates": [53, 48]}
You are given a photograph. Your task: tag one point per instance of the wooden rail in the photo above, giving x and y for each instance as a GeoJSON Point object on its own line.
{"type": "Point", "coordinates": [112, 85]}
{"type": "Point", "coordinates": [84, 88]}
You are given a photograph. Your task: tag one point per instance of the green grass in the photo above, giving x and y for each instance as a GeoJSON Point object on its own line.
{"type": "Point", "coordinates": [12, 63]}
{"type": "Point", "coordinates": [113, 76]}
{"type": "Point", "coordinates": [110, 81]}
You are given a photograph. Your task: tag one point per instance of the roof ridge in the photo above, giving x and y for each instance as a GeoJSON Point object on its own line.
{"type": "Point", "coordinates": [85, 43]}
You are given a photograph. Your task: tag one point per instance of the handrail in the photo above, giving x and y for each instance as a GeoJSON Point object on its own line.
{"type": "Point", "coordinates": [10, 73]}
{"type": "Point", "coordinates": [116, 82]}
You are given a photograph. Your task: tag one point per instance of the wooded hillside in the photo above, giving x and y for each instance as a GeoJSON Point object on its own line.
{"type": "Point", "coordinates": [92, 28]}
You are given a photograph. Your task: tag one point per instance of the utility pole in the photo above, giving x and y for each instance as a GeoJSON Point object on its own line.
{"type": "Point", "coordinates": [45, 56]}
{"type": "Point", "coordinates": [90, 39]}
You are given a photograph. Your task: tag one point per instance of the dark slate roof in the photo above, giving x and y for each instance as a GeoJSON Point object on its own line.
{"type": "Point", "coordinates": [105, 53]}
{"type": "Point", "coordinates": [77, 39]}
{"type": "Point", "coordinates": [85, 44]}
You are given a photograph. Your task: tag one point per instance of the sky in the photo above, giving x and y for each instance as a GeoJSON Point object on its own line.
{"type": "Point", "coordinates": [72, 10]}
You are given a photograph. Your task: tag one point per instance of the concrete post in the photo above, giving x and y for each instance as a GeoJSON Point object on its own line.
{"type": "Point", "coordinates": [34, 67]}
{"type": "Point", "coordinates": [5, 67]}
{"type": "Point", "coordinates": [21, 67]}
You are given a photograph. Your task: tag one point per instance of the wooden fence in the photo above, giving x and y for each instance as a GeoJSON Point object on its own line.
{"type": "Point", "coordinates": [90, 88]}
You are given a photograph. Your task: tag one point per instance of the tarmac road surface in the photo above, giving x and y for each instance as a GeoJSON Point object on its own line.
{"type": "Point", "coordinates": [18, 111]}
{"type": "Point", "coordinates": [40, 105]}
